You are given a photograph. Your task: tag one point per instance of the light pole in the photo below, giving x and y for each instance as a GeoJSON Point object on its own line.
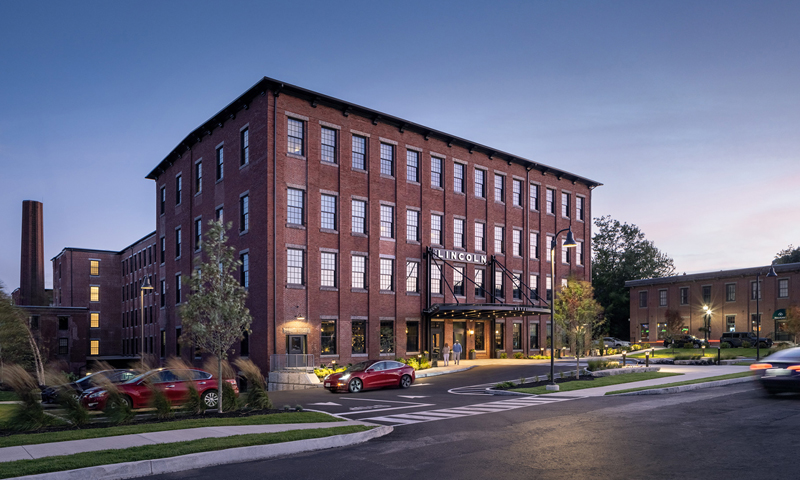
{"type": "Point", "coordinates": [706, 321]}
{"type": "Point", "coordinates": [568, 243]}
{"type": "Point", "coordinates": [145, 286]}
{"type": "Point", "coordinates": [771, 273]}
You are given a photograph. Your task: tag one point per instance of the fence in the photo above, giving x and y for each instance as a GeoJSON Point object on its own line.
{"type": "Point", "coordinates": [289, 361]}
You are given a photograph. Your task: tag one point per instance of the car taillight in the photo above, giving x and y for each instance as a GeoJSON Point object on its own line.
{"type": "Point", "coordinates": [794, 368]}
{"type": "Point", "coordinates": [760, 366]}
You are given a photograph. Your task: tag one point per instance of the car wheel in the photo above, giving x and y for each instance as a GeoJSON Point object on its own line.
{"type": "Point", "coordinates": [210, 398]}
{"type": "Point", "coordinates": [405, 382]}
{"type": "Point", "coordinates": [355, 385]}
{"type": "Point", "coordinates": [128, 401]}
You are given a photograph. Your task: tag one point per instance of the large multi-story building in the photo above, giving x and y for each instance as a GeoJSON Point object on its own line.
{"type": "Point", "coordinates": [362, 234]}
{"type": "Point", "coordinates": [715, 302]}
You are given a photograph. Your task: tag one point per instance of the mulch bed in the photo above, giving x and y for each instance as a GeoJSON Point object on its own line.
{"type": "Point", "coordinates": [546, 382]}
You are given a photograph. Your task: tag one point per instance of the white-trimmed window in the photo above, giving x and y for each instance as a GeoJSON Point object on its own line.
{"type": "Point", "coordinates": [412, 225]}
{"type": "Point", "coordinates": [534, 196]}
{"type": "Point", "coordinates": [295, 266]}
{"type": "Point", "coordinates": [359, 152]}
{"type": "Point", "coordinates": [458, 177]}
{"type": "Point", "coordinates": [359, 216]}
{"type": "Point", "coordinates": [412, 166]}
{"type": "Point", "coordinates": [328, 212]}
{"type": "Point", "coordinates": [436, 172]}
{"type": "Point", "coordinates": [295, 136]}
{"type": "Point", "coordinates": [480, 237]}
{"type": "Point", "coordinates": [499, 240]}
{"type": "Point", "coordinates": [387, 274]}
{"type": "Point", "coordinates": [499, 188]}
{"type": "Point", "coordinates": [436, 229]}
{"type": "Point", "coordinates": [480, 183]}
{"type": "Point", "coordinates": [327, 269]}
{"type": "Point", "coordinates": [459, 241]}
{"type": "Point", "coordinates": [387, 221]}
{"type": "Point", "coordinates": [328, 145]}
{"type": "Point", "coordinates": [412, 277]}
{"type": "Point", "coordinates": [516, 192]}
{"type": "Point", "coordinates": [358, 272]}
{"type": "Point", "coordinates": [387, 159]}
{"type": "Point", "coordinates": [534, 245]}
{"type": "Point", "coordinates": [295, 206]}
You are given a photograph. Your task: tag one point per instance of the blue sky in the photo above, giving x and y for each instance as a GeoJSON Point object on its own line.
{"type": "Point", "coordinates": [687, 112]}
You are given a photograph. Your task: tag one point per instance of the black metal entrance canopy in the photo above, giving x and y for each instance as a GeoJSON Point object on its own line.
{"type": "Point", "coordinates": [478, 311]}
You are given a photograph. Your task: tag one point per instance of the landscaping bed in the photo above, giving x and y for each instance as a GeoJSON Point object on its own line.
{"type": "Point", "coordinates": [585, 381]}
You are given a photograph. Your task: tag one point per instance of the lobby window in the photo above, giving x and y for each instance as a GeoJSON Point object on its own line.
{"type": "Point", "coordinates": [163, 201]}
{"type": "Point", "coordinates": [387, 159]}
{"type": "Point", "coordinates": [163, 293]}
{"type": "Point", "coordinates": [534, 245]}
{"type": "Point", "coordinates": [436, 229]}
{"type": "Point", "coordinates": [533, 331]}
{"type": "Point", "coordinates": [579, 208]}
{"type": "Point", "coordinates": [480, 183]}
{"type": "Point", "coordinates": [198, 233]}
{"type": "Point", "coordinates": [358, 336]}
{"type": "Point", "coordinates": [412, 225]}
{"type": "Point", "coordinates": [565, 198]}
{"type": "Point", "coordinates": [198, 177]}
{"type": "Point", "coordinates": [387, 221]}
{"type": "Point", "coordinates": [516, 242]}
{"type": "Point", "coordinates": [480, 290]}
{"type": "Point", "coordinates": [551, 201]}
{"type": "Point", "coordinates": [63, 346]}
{"type": "Point", "coordinates": [294, 266]}
{"type": "Point", "coordinates": [412, 166]}
{"type": "Point", "coordinates": [516, 336]}
{"type": "Point", "coordinates": [412, 336]}
{"type": "Point", "coordinates": [387, 337]}
{"type": "Point", "coordinates": [328, 269]}
{"type": "Point", "coordinates": [548, 248]}
{"type": "Point", "coordinates": [755, 291]}
{"type": "Point", "coordinates": [358, 272]}
{"type": "Point", "coordinates": [94, 320]}
{"type": "Point", "coordinates": [499, 244]}
{"type": "Point", "coordinates": [661, 331]}
{"type": "Point", "coordinates": [94, 267]}
{"type": "Point", "coordinates": [480, 237]}
{"type": "Point", "coordinates": [516, 286]}
{"type": "Point", "coordinates": [662, 298]}
{"type": "Point", "coordinates": [328, 337]}
{"type": "Point", "coordinates": [412, 277]}
{"type": "Point", "coordinates": [94, 294]}
{"type": "Point", "coordinates": [730, 323]}
{"type": "Point", "coordinates": [244, 272]}
{"type": "Point", "coordinates": [643, 299]}
{"type": "Point", "coordinates": [499, 336]}
{"type": "Point", "coordinates": [163, 248]}
{"type": "Point", "coordinates": [178, 189]}
{"type": "Point", "coordinates": [730, 292]}
{"type": "Point", "coordinates": [244, 148]}
{"type": "Point", "coordinates": [387, 274]}
{"type": "Point", "coordinates": [359, 216]}
{"type": "Point", "coordinates": [220, 163]}
{"type": "Point", "coordinates": [783, 288]}
{"type": "Point", "coordinates": [244, 213]}
{"type": "Point", "coordinates": [534, 196]}
{"type": "Point", "coordinates": [295, 206]}
{"type": "Point", "coordinates": [436, 172]}
{"type": "Point", "coordinates": [296, 136]}
{"type": "Point", "coordinates": [480, 336]}
{"type": "Point", "coordinates": [499, 188]}
{"type": "Point", "coordinates": [706, 294]}
{"type": "Point", "coordinates": [458, 177]}
{"type": "Point", "coordinates": [328, 212]}
{"type": "Point", "coordinates": [516, 192]}
{"type": "Point", "coordinates": [436, 279]}
{"type": "Point", "coordinates": [499, 284]}
{"type": "Point", "coordinates": [458, 281]}
{"type": "Point", "coordinates": [533, 284]}
{"type": "Point", "coordinates": [94, 347]}
{"type": "Point", "coordinates": [328, 145]}
{"type": "Point", "coordinates": [359, 153]}
{"type": "Point", "coordinates": [684, 293]}
{"type": "Point", "coordinates": [459, 241]}
{"type": "Point", "coordinates": [178, 288]}
{"type": "Point", "coordinates": [177, 242]}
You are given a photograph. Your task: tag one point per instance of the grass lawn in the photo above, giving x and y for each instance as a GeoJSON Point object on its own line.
{"type": "Point", "coordinates": [598, 382]}
{"type": "Point", "coordinates": [727, 353]}
{"type": "Point", "coordinates": [5, 412]}
{"type": "Point", "coordinates": [687, 382]}
{"type": "Point", "coordinates": [149, 452]}
{"type": "Point", "coordinates": [8, 396]}
{"type": "Point", "coordinates": [211, 421]}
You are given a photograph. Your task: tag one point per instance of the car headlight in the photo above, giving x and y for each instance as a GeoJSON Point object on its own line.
{"type": "Point", "coordinates": [345, 376]}
{"type": "Point", "coordinates": [98, 393]}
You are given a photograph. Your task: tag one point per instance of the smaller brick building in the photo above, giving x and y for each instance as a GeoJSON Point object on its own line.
{"type": "Point", "coordinates": [730, 295]}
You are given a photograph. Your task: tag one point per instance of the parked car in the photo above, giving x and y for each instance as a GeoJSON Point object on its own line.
{"type": "Point", "coordinates": [50, 393]}
{"type": "Point", "coordinates": [615, 342]}
{"type": "Point", "coordinates": [371, 374]}
{"type": "Point", "coordinates": [686, 339]}
{"type": "Point", "coordinates": [174, 383]}
{"type": "Point", "coordinates": [735, 339]}
{"type": "Point", "coordinates": [780, 371]}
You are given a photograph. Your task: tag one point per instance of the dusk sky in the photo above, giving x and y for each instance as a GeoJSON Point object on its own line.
{"type": "Point", "coordinates": [687, 112]}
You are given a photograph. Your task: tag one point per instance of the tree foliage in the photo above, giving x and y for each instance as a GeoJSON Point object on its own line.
{"type": "Point", "coordinates": [674, 323]}
{"type": "Point", "coordinates": [214, 316]}
{"type": "Point", "coordinates": [792, 324]}
{"type": "Point", "coordinates": [622, 253]}
{"type": "Point", "coordinates": [578, 314]}
{"type": "Point", "coordinates": [17, 343]}
{"type": "Point", "coordinates": [789, 254]}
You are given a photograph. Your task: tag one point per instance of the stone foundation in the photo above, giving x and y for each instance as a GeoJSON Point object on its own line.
{"type": "Point", "coordinates": [292, 381]}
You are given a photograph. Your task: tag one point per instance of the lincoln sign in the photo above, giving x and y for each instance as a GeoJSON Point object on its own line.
{"type": "Point", "coordinates": [460, 256]}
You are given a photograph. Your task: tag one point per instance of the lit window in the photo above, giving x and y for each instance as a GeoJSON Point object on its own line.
{"type": "Point", "coordinates": [94, 320]}
{"type": "Point", "coordinates": [94, 294]}
{"type": "Point", "coordinates": [328, 337]}
{"type": "Point", "coordinates": [94, 347]}
{"type": "Point", "coordinates": [295, 144]}
{"type": "Point", "coordinates": [94, 267]}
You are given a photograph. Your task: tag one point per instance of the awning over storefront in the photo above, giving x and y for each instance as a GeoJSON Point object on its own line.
{"type": "Point", "coordinates": [487, 311]}
{"type": "Point", "coordinates": [779, 314]}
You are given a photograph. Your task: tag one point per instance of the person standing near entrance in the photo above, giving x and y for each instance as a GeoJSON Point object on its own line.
{"type": "Point", "coordinates": [446, 353]}
{"type": "Point", "coordinates": [456, 352]}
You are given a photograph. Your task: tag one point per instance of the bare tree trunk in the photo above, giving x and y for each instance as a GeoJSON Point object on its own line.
{"type": "Point", "coordinates": [219, 382]}
{"type": "Point", "coordinates": [37, 357]}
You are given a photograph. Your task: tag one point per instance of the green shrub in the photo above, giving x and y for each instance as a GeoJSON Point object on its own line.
{"type": "Point", "coordinates": [193, 404]}
{"type": "Point", "coordinates": [257, 397]}
{"type": "Point", "coordinates": [287, 408]}
{"type": "Point", "coordinates": [117, 410]}
{"type": "Point", "coordinates": [746, 344]}
{"type": "Point", "coordinates": [597, 365]}
{"type": "Point", "coordinates": [161, 403]}
{"type": "Point", "coordinates": [28, 414]}
{"type": "Point", "coordinates": [504, 355]}
{"type": "Point", "coordinates": [636, 347]}
{"type": "Point", "coordinates": [230, 402]}
{"type": "Point", "coordinates": [298, 408]}
{"type": "Point", "coordinates": [519, 355]}
{"type": "Point", "coordinates": [323, 371]}
{"type": "Point", "coordinates": [688, 356]}
{"type": "Point", "coordinates": [75, 412]}
{"type": "Point", "coordinates": [646, 346]}
{"type": "Point", "coordinates": [505, 385]}
{"type": "Point", "coordinates": [539, 357]}
{"type": "Point", "coordinates": [424, 363]}
{"type": "Point", "coordinates": [724, 345]}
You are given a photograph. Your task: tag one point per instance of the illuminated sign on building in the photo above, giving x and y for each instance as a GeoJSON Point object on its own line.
{"type": "Point", "coordinates": [460, 256]}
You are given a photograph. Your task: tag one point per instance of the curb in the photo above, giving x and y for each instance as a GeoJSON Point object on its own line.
{"type": "Point", "coordinates": [435, 374]}
{"type": "Point", "coordinates": [492, 391]}
{"type": "Point", "coordinates": [685, 388]}
{"type": "Point", "coordinates": [623, 371]}
{"type": "Point", "coordinates": [207, 459]}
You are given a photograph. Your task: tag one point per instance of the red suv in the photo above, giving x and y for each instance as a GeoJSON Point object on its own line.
{"type": "Point", "coordinates": [174, 383]}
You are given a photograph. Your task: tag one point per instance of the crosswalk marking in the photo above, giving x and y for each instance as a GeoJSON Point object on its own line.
{"type": "Point", "coordinates": [465, 411]}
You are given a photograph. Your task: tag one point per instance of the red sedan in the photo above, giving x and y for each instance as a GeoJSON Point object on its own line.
{"type": "Point", "coordinates": [174, 383]}
{"type": "Point", "coordinates": [371, 374]}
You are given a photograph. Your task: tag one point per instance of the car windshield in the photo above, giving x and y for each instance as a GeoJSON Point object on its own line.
{"type": "Point", "coordinates": [358, 367]}
{"type": "Point", "coordinates": [787, 355]}
{"type": "Point", "coordinates": [137, 378]}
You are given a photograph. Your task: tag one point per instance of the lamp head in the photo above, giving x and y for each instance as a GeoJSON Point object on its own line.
{"type": "Point", "coordinates": [771, 272]}
{"type": "Point", "coordinates": [146, 283]}
{"type": "Point", "coordinates": [570, 241]}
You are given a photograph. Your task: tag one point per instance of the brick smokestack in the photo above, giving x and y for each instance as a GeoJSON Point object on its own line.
{"type": "Point", "coordinates": [31, 276]}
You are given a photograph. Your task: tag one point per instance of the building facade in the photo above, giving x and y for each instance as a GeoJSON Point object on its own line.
{"type": "Point", "coordinates": [715, 302]}
{"type": "Point", "coordinates": [364, 235]}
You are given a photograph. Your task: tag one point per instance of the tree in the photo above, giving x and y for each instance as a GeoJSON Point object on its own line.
{"type": "Point", "coordinates": [17, 343]}
{"type": "Point", "coordinates": [674, 324]}
{"type": "Point", "coordinates": [214, 315]}
{"type": "Point", "coordinates": [578, 314]}
{"type": "Point", "coordinates": [622, 253]}
{"type": "Point", "coordinates": [787, 255]}
{"type": "Point", "coordinates": [792, 324]}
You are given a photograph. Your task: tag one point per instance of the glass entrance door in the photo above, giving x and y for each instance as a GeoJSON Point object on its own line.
{"type": "Point", "coordinates": [459, 332]}
{"type": "Point", "coordinates": [296, 344]}
{"type": "Point", "coordinates": [437, 339]}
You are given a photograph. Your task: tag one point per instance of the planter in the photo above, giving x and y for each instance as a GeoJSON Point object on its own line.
{"type": "Point", "coordinates": [434, 363]}
{"type": "Point", "coordinates": [472, 355]}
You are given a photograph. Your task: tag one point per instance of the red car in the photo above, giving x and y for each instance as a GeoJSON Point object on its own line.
{"type": "Point", "coordinates": [371, 374]}
{"type": "Point", "coordinates": [137, 391]}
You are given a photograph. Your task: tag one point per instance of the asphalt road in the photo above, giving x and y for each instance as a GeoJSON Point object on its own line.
{"type": "Point", "coordinates": [725, 432]}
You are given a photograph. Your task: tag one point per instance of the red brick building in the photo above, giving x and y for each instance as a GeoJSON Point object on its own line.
{"type": "Point", "coordinates": [730, 296]}
{"type": "Point", "coordinates": [363, 234]}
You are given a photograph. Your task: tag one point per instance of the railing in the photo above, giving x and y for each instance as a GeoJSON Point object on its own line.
{"type": "Point", "coordinates": [289, 361]}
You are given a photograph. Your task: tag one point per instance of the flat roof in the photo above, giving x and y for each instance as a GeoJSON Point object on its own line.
{"type": "Point", "coordinates": [347, 108]}
{"type": "Point", "coordinates": [94, 250]}
{"type": "Point", "coordinates": [717, 275]}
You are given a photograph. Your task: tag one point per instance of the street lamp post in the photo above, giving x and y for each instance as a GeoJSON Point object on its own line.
{"type": "Point", "coordinates": [706, 322]}
{"type": "Point", "coordinates": [145, 286]}
{"type": "Point", "coordinates": [771, 273]}
{"type": "Point", "coordinates": [568, 243]}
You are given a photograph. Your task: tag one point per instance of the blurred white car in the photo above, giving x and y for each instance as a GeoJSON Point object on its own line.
{"type": "Point", "coordinates": [615, 342]}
